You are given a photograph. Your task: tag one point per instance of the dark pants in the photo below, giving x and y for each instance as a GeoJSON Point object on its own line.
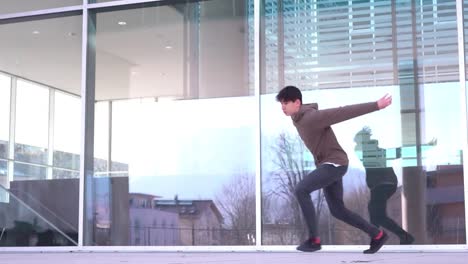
{"type": "Point", "coordinates": [329, 178]}
{"type": "Point", "coordinates": [378, 208]}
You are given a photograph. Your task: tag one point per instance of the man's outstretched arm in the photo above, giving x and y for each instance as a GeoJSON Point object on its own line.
{"type": "Point", "coordinates": [331, 116]}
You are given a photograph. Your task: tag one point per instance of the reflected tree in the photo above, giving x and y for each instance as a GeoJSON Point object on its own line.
{"type": "Point", "coordinates": [356, 200]}
{"type": "Point", "coordinates": [291, 167]}
{"type": "Point", "coordinates": [237, 205]}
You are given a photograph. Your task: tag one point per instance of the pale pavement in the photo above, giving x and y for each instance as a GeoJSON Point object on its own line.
{"type": "Point", "coordinates": [231, 258]}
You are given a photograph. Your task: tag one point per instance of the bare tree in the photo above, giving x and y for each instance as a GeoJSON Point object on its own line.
{"type": "Point", "coordinates": [276, 227]}
{"type": "Point", "coordinates": [289, 159]}
{"type": "Point", "coordinates": [356, 200]}
{"type": "Point", "coordinates": [237, 204]}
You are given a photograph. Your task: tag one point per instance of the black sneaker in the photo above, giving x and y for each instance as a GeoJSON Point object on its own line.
{"type": "Point", "coordinates": [309, 246]}
{"type": "Point", "coordinates": [376, 244]}
{"type": "Point", "coordinates": [406, 239]}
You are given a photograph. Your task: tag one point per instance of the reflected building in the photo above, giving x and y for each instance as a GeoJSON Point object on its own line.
{"type": "Point", "coordinates": [200, 221]}
{"type": "Point", "coordinates": [445, 205]}
{"type": "Point", "coordinates": [150, 226]}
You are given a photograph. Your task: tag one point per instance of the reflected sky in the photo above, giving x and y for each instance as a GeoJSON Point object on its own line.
{"type": "Point", "coordinates": [193, 147]}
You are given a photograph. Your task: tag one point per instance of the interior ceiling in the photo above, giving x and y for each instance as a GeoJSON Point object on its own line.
{"type": "Point", "coordinates": [143, 58]}
{"type": "Point", "coordinates": [49, 51]}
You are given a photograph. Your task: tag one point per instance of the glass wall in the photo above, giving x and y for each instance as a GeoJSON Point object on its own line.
{"type": "Point", "coordinates": [347, 52]}
{"type": "Point", "coordinates": [174, 130]}
{"type": "Point", "coordinates": [176, 149]}
{"type": "Point", "coordinates": [5, 82]}
{"type": "Point", "coordinates": [40, 131]}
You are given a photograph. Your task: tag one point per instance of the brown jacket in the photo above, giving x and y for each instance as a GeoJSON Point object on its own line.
{"type": "Point", "coordinates": [314, 129]}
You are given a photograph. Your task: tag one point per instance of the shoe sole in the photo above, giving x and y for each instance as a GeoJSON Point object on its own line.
{"type": "Point", "coordinates": [309, 250]}
{"type": "Point", "coordinates": [367, 251]}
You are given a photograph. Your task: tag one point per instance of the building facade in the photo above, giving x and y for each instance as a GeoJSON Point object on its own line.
{"type": "Point", "coordinates": [154, 122]}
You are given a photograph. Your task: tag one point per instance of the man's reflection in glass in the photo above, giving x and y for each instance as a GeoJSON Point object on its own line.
{"type": "Point", "coordinates": [382, 183]}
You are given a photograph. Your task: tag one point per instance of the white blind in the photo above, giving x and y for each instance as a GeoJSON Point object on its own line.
{"type": "Point", "coordinates": [358, 43]}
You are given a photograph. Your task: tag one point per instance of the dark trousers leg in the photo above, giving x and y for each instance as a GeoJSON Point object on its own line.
{"type": "Point", "coordinates": [378, 209]}
{"type": "Point", "coordinates": [321, 177]}
{"type": "Point", "coordinates": [334, 197]}
{"type": "Point", "coordinates": [328, 177]}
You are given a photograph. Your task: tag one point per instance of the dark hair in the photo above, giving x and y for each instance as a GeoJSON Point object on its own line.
{"type": "Point", "coordinates": [289, 94]}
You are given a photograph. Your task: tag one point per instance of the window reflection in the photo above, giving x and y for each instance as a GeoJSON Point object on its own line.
{"type": "Point", "coordinates": [433, 189]}
{"type": "Point", "coordinates": [173, 126]}
{"type": "Point", "coordinates": [368, 49]}
{"type": "Point", "coordinates": [39, 187]}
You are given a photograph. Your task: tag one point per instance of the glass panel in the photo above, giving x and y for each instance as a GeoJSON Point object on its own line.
{"type": "Point", "coordinates": [65, 174]}
{"type": "Point", "coordinates": [4, 114]}
{"type": "Point", "coordinates": [32, 114]}
{"type": "Point", "coordinates": [15, 6]}
{"type": "Point", "coordinates": [29, 172]}
{"type": "Point", "coordinates": [178, 103]}
{"type": "Point", "coordinates": [67, 160]}
{"type": "Point", "coordinates": [3, 168]}
{"type": "Point", "coordinates": [348, 52]}
{"type": "Point", "coordinates": [101, 138]}
{"type": "Point", "coordinates": [67, 117]}
{"type": "Point", "coordinates": [41, 201]}
{"type": "Point", "coordinates": [22, 225]}
{"type": "Point", "coordinates": [3, 174]}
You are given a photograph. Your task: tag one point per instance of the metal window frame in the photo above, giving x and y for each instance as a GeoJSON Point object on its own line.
{"type": "Point", "coordinates": [51, 133]}
{"type": "Point", "coordinates": [464, 122]}
{"type": "Point", "coordinates": [88, 12]}
{"type": "Point", "coordinates": [11, 138]}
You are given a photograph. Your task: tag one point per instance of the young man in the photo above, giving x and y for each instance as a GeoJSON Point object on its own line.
{"type": "Point", "coordinates": [313, 126]}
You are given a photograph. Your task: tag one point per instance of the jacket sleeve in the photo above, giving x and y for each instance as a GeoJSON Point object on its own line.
{"type": "Point", "coordinates": [327, 117]}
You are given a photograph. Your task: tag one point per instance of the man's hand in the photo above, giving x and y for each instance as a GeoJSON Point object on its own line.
{"type": "Point", "coordinates": [384, 101]}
